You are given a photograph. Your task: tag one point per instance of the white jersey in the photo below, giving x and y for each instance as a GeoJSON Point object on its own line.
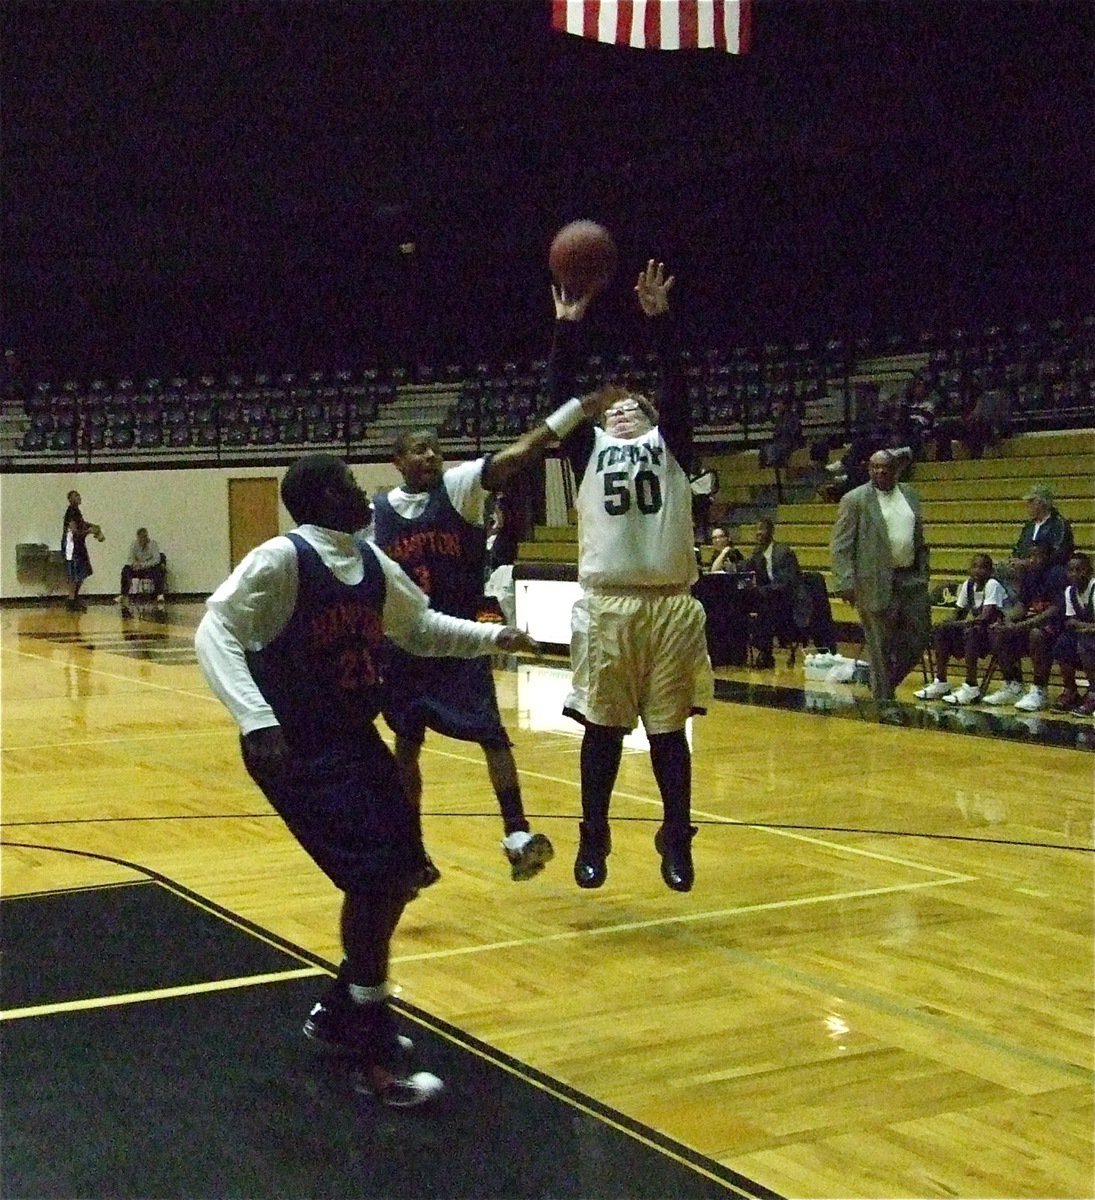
{"type": "Point", "coordinates": [992, 594]}
{"type": "Point", "coordinates": [634, 515]}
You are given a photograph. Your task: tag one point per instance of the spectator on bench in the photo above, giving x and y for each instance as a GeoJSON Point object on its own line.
{"type": "Point", "coordinates": [983, 598]}
{"type": "Point", "coordinates": [1045, 527]}
{"type": "Point", "coordinates": [1076, 645]}
{"type": "Point", "coordinates": [786, 432]}
{"type": "Point", "coordinates": [727, 556]}
{"type": "Point", "coordinates": [145, 562]}
{"type": "Point", "coordinates": [775, 572]}
{"type": "Point", "coordinates": [1032, 629]}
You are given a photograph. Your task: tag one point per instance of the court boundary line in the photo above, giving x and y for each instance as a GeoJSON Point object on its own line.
{"type": "Point", "coordinates": [490, 815]}
{"type": "Point", "coordinates": [678, 1152]}
{"type": "Point", "coordinates": [152, 994]}
{"type": "Point", "coordinates": [567, 736]}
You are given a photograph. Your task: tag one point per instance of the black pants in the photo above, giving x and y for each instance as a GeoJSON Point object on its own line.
{"type": "Point", "coordinates": [156, 574]}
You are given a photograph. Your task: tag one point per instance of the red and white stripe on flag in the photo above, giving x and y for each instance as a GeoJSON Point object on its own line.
{"type": "Point", "coordinates": [658, 24]}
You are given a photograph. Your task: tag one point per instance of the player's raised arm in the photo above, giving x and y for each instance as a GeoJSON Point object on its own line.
{"type": "Point", "coordinates": [674, 414]}
{"type": "Point", "coordinates": [569, 415]}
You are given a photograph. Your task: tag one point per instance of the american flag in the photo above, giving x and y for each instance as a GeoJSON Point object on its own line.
{"type": "Point", "coordinates": [658, 24]}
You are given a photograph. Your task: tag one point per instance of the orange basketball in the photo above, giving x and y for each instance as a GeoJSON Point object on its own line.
{"type": "Point", "coordinates": [582, 258]}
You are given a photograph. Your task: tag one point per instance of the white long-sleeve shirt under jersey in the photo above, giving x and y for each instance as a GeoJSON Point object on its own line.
{"type": "Point", "coordinates": [255, 602]}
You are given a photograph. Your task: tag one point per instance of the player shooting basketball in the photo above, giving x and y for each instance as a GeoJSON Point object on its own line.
{"type": "Point", "coordinates": [638, 647]}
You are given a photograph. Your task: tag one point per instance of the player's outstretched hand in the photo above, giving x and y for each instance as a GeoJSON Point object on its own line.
{"type": "Point", "coordinates": [653, 289]}
{"type": "Point", "coordinates": [567, 307]}
{"type": "Point", "coordinates": [511, 640]}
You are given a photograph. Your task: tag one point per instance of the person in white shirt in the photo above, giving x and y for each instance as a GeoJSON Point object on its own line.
{"type": "Point", "coordinates": [638, 645]}
{"type": "Point", "coordinates": [1075, 645]}
{"type": "Point", "coordinates": [880, 564]}
{"type": "Point", "coordinates": [982, 598]}
{"type": "Point", "coordinates": [145, 562]}
{"type": "Point", "coordinates": [290, 643]}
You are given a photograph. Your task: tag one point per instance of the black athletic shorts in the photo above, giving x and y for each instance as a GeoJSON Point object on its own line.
{"type": "Point", "coordinates": [347, 809]}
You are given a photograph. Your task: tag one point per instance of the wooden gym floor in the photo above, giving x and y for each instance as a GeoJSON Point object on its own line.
{"type": "Point", "coordinates": [881, 985]}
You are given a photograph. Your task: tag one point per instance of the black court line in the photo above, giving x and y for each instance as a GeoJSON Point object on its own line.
{"type": "Point", "coordinates": [492, 815]}
{"type": "Point", "coordinates": [1040, 729]}
{"type": "Point", "coordinates": [216, 1093]}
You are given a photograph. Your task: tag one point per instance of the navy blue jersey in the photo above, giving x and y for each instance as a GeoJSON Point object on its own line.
{"type": "Point", "coordinates": [1039, 590]}
{"type": "Point", "coordinates": [336, 630]}
{"type": "Point", "coordinates": [441, 551]}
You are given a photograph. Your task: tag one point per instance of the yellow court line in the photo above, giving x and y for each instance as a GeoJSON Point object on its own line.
{"type": "Point", "coordinates": [135, 737]}
{"type": "Point", "coordinates": [572, 1101]}
{"type": "Point", "coordinates": [71, 666]}
{"type": "Point", "coordinates": [193, 989]}
{"type": "Point", "coordinates": [680, 919]}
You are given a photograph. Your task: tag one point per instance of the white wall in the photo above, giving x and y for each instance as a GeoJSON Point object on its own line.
{"type": "Point", "coordinates": [185, 511]}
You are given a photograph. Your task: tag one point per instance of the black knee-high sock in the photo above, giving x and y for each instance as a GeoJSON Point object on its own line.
{"type": "Point", "coordinates": [671, 761]}
{"type": "Point", "coordinates": [602, 746]}
{"type": "Point", "coordinates": [513, 811]}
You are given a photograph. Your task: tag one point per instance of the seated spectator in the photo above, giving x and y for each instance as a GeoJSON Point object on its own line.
{"type": "Point", "coordinates": [145, 562]}
{"type": "Point", "coordinates": [1045, 527]}
{"type": "Point", "coordinates": [1076, 645]}
{"type": "Point", "coordinates": [726, 557]}
{"type": "Point", "coordinates": [772, 571]}
{"type": "Point", "coordinates": [851, 470]}
{"type": "Point", "coordinates": [1032, 628]}
{"type": "Point", "coordinates": [980, 603]}
{"type": "Point", "coordinates": [503, 536]}
{"type": "Point", "coordinates": [978, 420]}
{"type": "Point", "coordinates": [786, 432]}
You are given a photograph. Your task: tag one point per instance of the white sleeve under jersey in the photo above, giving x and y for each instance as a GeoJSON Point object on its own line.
{"type": "Point", "coordinates": [634, 515]}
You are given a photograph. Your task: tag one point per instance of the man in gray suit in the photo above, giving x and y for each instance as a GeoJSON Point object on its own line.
{"type": "Point", "coordinates": [880, 564]}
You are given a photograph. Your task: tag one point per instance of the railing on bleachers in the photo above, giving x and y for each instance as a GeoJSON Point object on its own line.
{"type": "Point", "coordinates": [1042, 376]}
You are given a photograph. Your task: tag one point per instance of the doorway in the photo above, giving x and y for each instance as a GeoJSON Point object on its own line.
{"type": "Point", "coordinates": [252, 515]}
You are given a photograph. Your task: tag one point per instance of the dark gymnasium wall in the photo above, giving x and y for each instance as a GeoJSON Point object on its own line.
{"type": "Point", "coordinates": [192, 184]}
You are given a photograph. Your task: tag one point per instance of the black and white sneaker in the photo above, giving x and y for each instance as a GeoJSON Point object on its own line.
{"type": "Point", "coordinates": [397, 1091]}
{"type": "Point", "coordinates": [530, 858]}
{"type": "Point", "coordinates": [359, 1030]}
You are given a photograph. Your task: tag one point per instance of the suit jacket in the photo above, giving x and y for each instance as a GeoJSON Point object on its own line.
{"type": "Point", "coordinates": [860, 547]}
{"type": "Point", "coordinates": [785, 567]}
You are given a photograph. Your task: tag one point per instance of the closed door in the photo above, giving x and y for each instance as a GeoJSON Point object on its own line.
{"type": "Point", "coordinates": [252, 514]}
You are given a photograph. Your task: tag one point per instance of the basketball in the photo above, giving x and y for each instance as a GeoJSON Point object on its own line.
{"type": "Point", "coordinates": [582, 258]}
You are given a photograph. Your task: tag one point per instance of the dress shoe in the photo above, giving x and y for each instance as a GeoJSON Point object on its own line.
{"type": "Point", "coordinates": [594, 846]}
{"type": "Point", "coordinates": [674, 844]}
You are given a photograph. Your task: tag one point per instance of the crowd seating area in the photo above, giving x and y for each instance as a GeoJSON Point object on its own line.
{"type": "Point", "coordinates": [731, 391]}
{"type": "Point", "coordinates": [1042, 375]}
{"type": "Point", "coordinates": [104, 419]}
